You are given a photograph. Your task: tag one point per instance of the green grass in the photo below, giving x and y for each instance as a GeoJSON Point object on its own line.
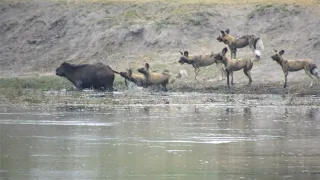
{"type": "Point", "coordinates": [162, 23]}
{"type": "Point", "coordinates": [131, 14]}
{"type": "Point", "coordinates": [299, 2]}
{"type": "Point", "coordinates": [41, 83]}
{"type": "Point", "coordinates": [35, 89]}
{"type": "Point", "coordinates": [38, 90]}
{"type": "Point", "coordinates": [260, 10]}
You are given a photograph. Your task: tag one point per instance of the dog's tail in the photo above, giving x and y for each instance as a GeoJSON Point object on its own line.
{"type": "Point", "coordinates": [181, 74]}
{"type": "Point", "coordinates": [258, 47]}
{"type": "Point", "coordinates": [314, 70]}
{"type": "Point", "coordinates": [168, 73]}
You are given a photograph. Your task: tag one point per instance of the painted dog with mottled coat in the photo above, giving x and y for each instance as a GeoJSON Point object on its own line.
{"type": "Point", "coordinates": [154, 78]}
{"type": "Point", "coordinates": [137, 79]}
{"type": "Point", "coordinates": [255, 43]}
{"type": "Point", "coordinates": [235, 65]}
{"type": "Point", "coordinates": [198, 61]}
{"type": "Point", "coordinates": [296, 65]}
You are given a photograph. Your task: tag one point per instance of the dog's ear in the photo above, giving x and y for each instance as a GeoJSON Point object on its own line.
{"type": "Point", "coordinates": [227, 31]}
{"type": "Point", "coordinates": [129, 72]}
{"type": "Point", "coordinates": [181, 53]}
{"type": "Point", "coordinates": [147, 66]}
{"type": "Point", "coordinates": [186, 53]}
{"type": "Point", "coordinates": [224, 50]}
{"type": "Point", "coordinates": [222, 32]}
{"type": "Point", "coordinates": [281, 52]}
{"type": "Point", "coordinates": [275, 51]}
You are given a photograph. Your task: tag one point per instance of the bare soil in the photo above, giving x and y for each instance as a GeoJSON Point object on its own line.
{"type": "Point", "coordinates": [37, 36]}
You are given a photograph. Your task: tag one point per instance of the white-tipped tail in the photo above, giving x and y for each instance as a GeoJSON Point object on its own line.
{"type": "Point", "coordinates": [182, 74]}
{"type": "Point", "coordinates": [257, 52]}
{"type": "Point", "coordinates": [259, 48]}
{"type": "Point", "coordinates": [259, 45]}
{"type": "Point", "coordinates": [315, 72]}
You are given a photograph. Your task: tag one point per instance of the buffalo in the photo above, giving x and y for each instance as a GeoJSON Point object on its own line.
{"type": "Point", "coordinates": [97, 76]}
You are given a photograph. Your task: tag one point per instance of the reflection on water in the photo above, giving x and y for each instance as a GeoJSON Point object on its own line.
{"type": "Point", "coordinates": [160, 142]}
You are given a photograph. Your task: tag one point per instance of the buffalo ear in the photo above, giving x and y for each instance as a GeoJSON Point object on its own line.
{"type": "Point", "coordinates": [281, 52]}
{"type": "Point", "coordinates": [186, 53]}
{"type": "Point", "coordinates": [147, 66]}
{"type": "Point", "coordinates": [180, 52]}
{"type": "Point", "coordinates": [275, 50]}
{"type": "Point", "coordinates": [227, 31]}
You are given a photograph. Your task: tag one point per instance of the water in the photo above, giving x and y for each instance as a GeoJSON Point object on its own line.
{"type": "Point", "coordinates": [213, 140]}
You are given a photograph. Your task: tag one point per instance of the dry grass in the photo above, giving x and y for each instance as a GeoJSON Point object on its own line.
{"type": "Point", "coordinates": [297, 2]}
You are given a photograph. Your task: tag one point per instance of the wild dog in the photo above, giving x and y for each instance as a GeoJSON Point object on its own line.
{"type": "Point", "coordinates": [235, 65]}
{"type": "Point", "coordinates": [153, 78]}
{"type": "Point", "coordinates": [200, 61]}
{"type": "Point", "coordinates": [137, 79]}
{"type": "Point", "coordinates": [254, 42]}
{"type": "Point", "coordinates": [296, 65]}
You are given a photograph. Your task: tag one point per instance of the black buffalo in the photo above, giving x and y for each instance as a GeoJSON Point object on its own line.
{"type": "Point", "coordinates": [97, 76]}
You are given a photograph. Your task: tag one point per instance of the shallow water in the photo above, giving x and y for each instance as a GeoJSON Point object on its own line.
{"type": "Point", "coordinates": [227, 137]}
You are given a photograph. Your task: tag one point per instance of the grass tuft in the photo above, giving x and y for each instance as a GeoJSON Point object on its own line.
{"type": "Point", "coordinates": [272, 8]}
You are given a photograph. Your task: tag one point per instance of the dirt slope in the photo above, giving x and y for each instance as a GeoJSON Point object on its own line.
{"type": "Point", "coordinates": [36, 35]}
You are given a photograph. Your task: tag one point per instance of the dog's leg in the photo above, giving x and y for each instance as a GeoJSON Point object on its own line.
{"type": "Point", "coordinates": [222, 74]}
{"type": "Point", "coordinates": [195, 73]}
{"type": "Point", "coordinates": [221, 77]}
{"type": "Point", "coordinates": [285, 79]}
{"type": "Point", "coordinates": [164, 87]}
{"type": "Point", "coordinates": [197, 70]}
{"type": "Point", "coordinates": [307, 70]}
{"type": "Point", "coordinates": [248, 74]}
{"type": "Point", "coordinates": [228, 73]}
{"type": "Point", "coordinates": [311, 84]}
{"type": "Point", "coordinates": [232, 54]}
{"type": "Point", "coordinates": [312, 79]}
{"type": "Point", "coordinates": [231, 74]}
{"type": "Point", "coordinates": [233, 51]}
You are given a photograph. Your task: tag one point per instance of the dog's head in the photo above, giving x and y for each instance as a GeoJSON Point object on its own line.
{"type": "Point", "coordinates": [124, 74]}
{"type": "Point", "coordinates": [144, 69]}
{"type": "Point", "coordinates": [221, 37]}
{"type": "Point", "coordinates": [127, 74]}
{"type": "Point", "coordinates": [184, 58]}
{"type": "Point", "coordinates": [221, 55]}
{"type": "Point", "coordinates": [278, 56]}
